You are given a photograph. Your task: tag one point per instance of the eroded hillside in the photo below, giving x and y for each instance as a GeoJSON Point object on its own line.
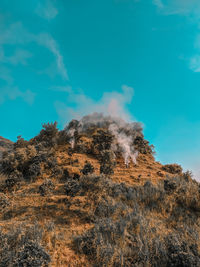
{"type": "Point", "coordinates": [93, 195]}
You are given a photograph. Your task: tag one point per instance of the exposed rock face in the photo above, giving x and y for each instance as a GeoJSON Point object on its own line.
{"type": "Point", "coordinates": [5, 145]}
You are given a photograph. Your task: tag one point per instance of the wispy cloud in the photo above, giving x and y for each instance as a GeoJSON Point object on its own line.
{"type": "Point", "coordinates": [112, 103]}
{"type": "Point", "coordinates": [13, 92]}
{"type": "Point", "coordinates": [158, 3]}
{"type": "Point", "coordinates": [46, 9]}
{"type": "Point", "coordinates": [182, 7]}
{"type": "Point", "coordinates": [195, 63]}
{"type": "Point", "coordinates": [191, 10]}
{"type": "Point", "coordinates": [46, 40]}
{"type": "Point", "coordinates": [10, 91]}
{"type": "Point", "coordinates": [17, 34]}
{"type": "Point", "coordinates": [20, 56]}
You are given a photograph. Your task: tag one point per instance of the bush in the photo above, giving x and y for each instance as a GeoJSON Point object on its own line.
{"type": "Point", "coordinates": [107, 162]}
{"type": "Point", "coordinates": [18, 161]}
{"type": "Point", "coordinates": [126, 233]}
{"type": "Point", "coordinates": [88, 168]}
{"type": "Point", "coordinates": [48, 136]}
{"type": "Point", "coordinates": [142, 145]}
{"type": "Point", "coordinates": [21, 247]}
{"type": "Point", "coordinates": [170, 186]}
{"type": "Point", "coordinates": [46, 188]}
{"type": "Point", "coordinates": [32, 171]}
{"type": "Point", "coordinates": [72, 187]}
{"type": "Point", "coordinates": [180, 253]}
{"type": "Point", "coordinates": [152, 196]}
{"type": "Point", "coordinates": [12, 181]}
{"type": "Point", "coordinates": [65, 175]}
{"type": "Point", "coordinates": [106, 169]}
{"type": "Point", "coordinates": [172, 168]}
{"type": "Point", "coordinates": [4, 201]}
{"type": "Point", "coordinates": [102, 140]}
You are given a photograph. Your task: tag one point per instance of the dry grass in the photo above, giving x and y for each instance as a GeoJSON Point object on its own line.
{"type": "Point", "coordinates": [130, 218]}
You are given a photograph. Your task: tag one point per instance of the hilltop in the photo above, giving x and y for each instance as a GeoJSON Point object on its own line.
{"type": "Point", "coordinates": [94, 195]}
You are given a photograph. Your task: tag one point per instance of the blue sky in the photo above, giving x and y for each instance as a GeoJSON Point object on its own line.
{"type": "Point", "coordinates": [139, 59]}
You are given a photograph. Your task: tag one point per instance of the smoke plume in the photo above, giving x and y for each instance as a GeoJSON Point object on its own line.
{"type": "Point", "coordinates": [124, 133]}
{"type": "Point", "coordinates": [77, 105]}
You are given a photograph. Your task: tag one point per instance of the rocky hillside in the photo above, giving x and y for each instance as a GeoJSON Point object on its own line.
{"type": "Point", "coordinates": [93, 195]}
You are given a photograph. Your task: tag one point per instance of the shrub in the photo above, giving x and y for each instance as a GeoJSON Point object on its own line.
{"type": "Point", "coordinates": [46, 188]}
{"type": "Point", "coordinates": [21, 247]}
{"type": "Point", "coordinates": [76, 176]}
{"type": "Point", "coordinates": [88, 168]}
{"type": "Point", "coordinates": [152, 196]}
{"type": "Point", "coordinates": [105, 208]}
{"type": "Point", "coordinates": [107, 162]}
{"type": "Point", "coordinates": [170, 186]}
{"type": "Point", "coordinates": [102, 140]}
{"type": "Point", "coordinates": [20, 143]}
{"type": "Point", "coordinates": [142, 145]}
{"type": "Point", "coordinates": [12, 181]}
{"type": "Point", "coordinates": [172, 168]}
{"type": "Point", "coordinates": [106, 169]}
{"type": "Point", "coordinates": [72, 187]}
{"type": "Point", "coordinates": [18, 161]}
{"type": "Point", "coordinates": [4, 201]}
{"type": "Point", "coordinates": [124, 233]}
{"type": "Point", "coordinates": [65, 175]}
{"type": "Point", "coordinates": [48, 136]}
{"type": "Point", "coordinates": [32, 171]}
{"type": "Point", "coordinates": [181, 253]}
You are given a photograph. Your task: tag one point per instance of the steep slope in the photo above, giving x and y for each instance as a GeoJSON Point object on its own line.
{"type": "Point", "coordinates": [93, 195]}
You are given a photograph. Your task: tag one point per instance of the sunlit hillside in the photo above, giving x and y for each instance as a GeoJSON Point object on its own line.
{"type": "Point", "coordinates": [93, 195]}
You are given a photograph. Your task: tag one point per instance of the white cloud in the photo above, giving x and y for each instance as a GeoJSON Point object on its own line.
{"type": "Point", "coordinates": [182, 7]}
{"type": "Point", "coordinates": [112, 103]}
{"type": "Point", "coordinates": [158, 3]}
{"type": "Point", "coordinates": [13, 92]}
{"type": "Point", "coordinates": [20, 56]}
{"type": "Point", "coordinates": [195, 63]}
{"type": "Point", "coordinates": [46, 40]}
{"type": "Point", "coordinates": [46, 9]}
{"type": "Point", "coordinates": [191, 10]}
{"type": "Point", "coordinates": [9, 90]}
{"type": "Point", "coordinates": [16, 34]}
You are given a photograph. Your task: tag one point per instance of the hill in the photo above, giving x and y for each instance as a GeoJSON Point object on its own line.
{"type": "Point", "coordinates": [93, 195]}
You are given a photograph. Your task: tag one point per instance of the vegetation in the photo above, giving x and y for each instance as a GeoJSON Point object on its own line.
{"type": "Point", "coordinates": [21, 247]}
{"type": "Point", "coordinates": [102, 212]}
{"type": "Point", "coordinates": [46, 188]}
{"type": "Point", "coordinates": [88, 168]}
{"type": "Point", "coordinates": [172, 168]}
{"type": "Point", "coordinates": [125, 234]}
